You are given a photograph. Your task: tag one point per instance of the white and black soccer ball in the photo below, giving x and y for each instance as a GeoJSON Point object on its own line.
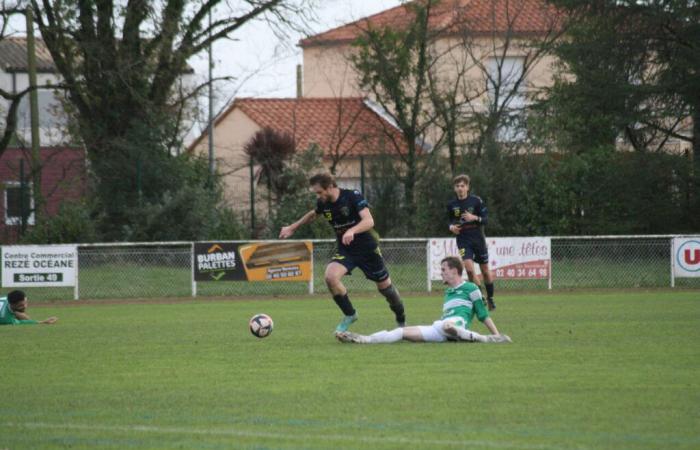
{"type": "Point", "coordinates": [260, 325]}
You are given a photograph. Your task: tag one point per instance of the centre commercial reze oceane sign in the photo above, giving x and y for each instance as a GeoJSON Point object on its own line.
{"type": "Point", "coordinates": [255, 261]}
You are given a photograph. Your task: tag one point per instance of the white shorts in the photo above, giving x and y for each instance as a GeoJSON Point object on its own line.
{"type": "Point", "coordinates": [434, 332]}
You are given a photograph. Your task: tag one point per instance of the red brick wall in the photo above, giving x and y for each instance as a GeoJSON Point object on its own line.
{"type": "Point", "coordinates": [62, 178]}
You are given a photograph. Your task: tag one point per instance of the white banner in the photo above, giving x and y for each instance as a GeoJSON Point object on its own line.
{"type": "Point", "coordinates": [34, 265]}
{"type": "Point", "coordinates": [509, 258]}
{"type": "Point", "coordinates": [686, 257]}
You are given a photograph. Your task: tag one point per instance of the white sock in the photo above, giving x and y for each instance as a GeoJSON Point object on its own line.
{"type": "Point", "coordinates": [471, 336]}
{"type": "Point", "coordinates": [386, 337]}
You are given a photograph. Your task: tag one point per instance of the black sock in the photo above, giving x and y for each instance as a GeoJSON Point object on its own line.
{"type": "Point", "coordinates": [395, 303]}
{"type": "Point", "coordinates": [343, 302]}
{"type": "Point", "coordinates": [489, 290]}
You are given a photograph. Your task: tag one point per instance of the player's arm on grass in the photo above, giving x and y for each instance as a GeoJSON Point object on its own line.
{"type": "Point", "coordinates": [483, 315]}
{"type": "Point", "coordinates": [289, 230]}
{"type": "Point", "coordinates": [24, 319]}
{"type": "Point", "coordinates": [365, 224]}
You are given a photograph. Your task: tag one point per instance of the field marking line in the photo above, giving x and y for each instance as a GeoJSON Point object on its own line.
{"type": "Point", "coordinates": [281, 436]}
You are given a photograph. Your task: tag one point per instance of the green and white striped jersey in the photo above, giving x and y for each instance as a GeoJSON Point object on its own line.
{"type": "Point", "coordinates": [464, 302]}
{"type": "Point", "coordinates": [7, 317]}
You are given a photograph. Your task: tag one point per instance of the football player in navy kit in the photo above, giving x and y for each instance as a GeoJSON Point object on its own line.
{"type": "Point", "coordinates": [467, 216]}
{"type": "Point", "coordinates": [358, 245]}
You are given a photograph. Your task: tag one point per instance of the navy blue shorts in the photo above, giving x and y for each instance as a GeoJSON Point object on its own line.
{"type": "Point", "coordinates": [473, 248]}
{"type": "Point", "coordinates": [369, 262]}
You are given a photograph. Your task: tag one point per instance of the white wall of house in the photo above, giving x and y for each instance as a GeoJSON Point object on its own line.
{"type": "Point", "coordinates": [328, 72]}
{"type": "Point", "coordinates": [230, 136]}
{"type": "Point", "coordinates": [52, 121]}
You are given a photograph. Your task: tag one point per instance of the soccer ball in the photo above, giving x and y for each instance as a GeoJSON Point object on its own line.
{"type": "Point", "coordinates": [260, 325]}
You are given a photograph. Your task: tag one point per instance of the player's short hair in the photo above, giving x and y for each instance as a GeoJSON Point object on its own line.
{"type": "Point", "coordinates": [16, 297]}
{"type": "Point", "coordinates": [453, 263]}
{"type": "Point", "coordinates": [461, 179]}
{"type": "Point", "coordinates": [325, 180]}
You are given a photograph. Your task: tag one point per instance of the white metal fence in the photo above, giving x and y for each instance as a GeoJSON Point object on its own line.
{"type": "Point", "coordinates": [164, 270]}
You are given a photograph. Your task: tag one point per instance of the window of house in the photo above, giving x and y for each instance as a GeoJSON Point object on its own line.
{"type": "Point", "coordinates": [15, 203]}
{"type": "Point", "coordinates": [50, 110]}
{"type": "Point", "coordinates": [507, 95]}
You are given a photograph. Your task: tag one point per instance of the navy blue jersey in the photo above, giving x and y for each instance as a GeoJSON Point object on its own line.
{"type": "Point", "coordinates": [344, 214]}
{"type": "Point", "coordinates": [472, 204]}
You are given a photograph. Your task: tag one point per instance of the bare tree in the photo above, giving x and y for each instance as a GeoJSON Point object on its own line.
{"type": "Point", "coordinates": [393, 64]}
{"type": "Point", "coordinates": [350, 132]}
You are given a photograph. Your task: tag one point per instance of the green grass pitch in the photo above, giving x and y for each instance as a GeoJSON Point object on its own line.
{"type": "Point", "coordinates": [610, 370]}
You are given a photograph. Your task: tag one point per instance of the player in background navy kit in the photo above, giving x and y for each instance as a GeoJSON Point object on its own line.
{"type": "Point", "coordinates": [358, 245]}
{"type": "Point", "coordinates": [467, 217]}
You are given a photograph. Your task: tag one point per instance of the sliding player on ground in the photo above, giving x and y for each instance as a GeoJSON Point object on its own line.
{"type": "Point", "coordinates": [462, 302]}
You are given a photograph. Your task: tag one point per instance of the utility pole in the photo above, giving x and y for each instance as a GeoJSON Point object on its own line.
{"type": "Point", "coordinates": [211, 107]}
{"type": "Point", "coordinates": [34, 111]}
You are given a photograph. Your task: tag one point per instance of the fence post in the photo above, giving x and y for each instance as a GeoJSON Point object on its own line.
{"type": "Point", "coordinates": [311, 280]}
{"type": "Point", "coordinates": [428, 265]}
{"type": "Point", "coordinates": [551, 264]}
{"type": "Point", "coordinates": [673, 263]}
{"type": "Point", "coordinates": [192, 266]}
{"type": "Point", "coordinates": [76, 286]}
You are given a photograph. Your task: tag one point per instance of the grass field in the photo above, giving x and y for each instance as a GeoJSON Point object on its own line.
{"type": "Point", "coordinates": [586, 371]}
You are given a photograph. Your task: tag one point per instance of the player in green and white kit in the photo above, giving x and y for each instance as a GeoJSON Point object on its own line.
{"type": "Point", "coordinates": [462, 302]}
{"type": "Point", "coordinates": [13, 310]}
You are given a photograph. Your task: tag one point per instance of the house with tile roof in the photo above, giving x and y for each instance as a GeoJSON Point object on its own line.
{"type": "Point", "coordinates": [347, 130]}
{"type": "Point", "coordinates": [489, 24]}
{"type": "Point", "coordinates": [495, 36]}
{"type": "Point", "coordinates": [481, 55]}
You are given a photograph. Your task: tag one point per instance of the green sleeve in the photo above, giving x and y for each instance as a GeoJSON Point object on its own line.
{"type": "Point", "coordinates": [26, 322]}
{"type": "Point", "coordinates": [481, 312]}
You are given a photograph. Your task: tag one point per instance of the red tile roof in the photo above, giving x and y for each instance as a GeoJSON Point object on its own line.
{"type": "Point", "coordinates": [346, 126]}
{"type": "Point", "coordinates": [478, 16]}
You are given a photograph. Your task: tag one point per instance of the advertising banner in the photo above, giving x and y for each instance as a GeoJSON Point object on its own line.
{"type": "Point", "coordinates": [509, 258]}
{"type": "Point", "coordinates": [686, 257]}
{"type": "Point", "coordinates": [255, 261]}
{"type": "Point", "coordinates": [38, 266]}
